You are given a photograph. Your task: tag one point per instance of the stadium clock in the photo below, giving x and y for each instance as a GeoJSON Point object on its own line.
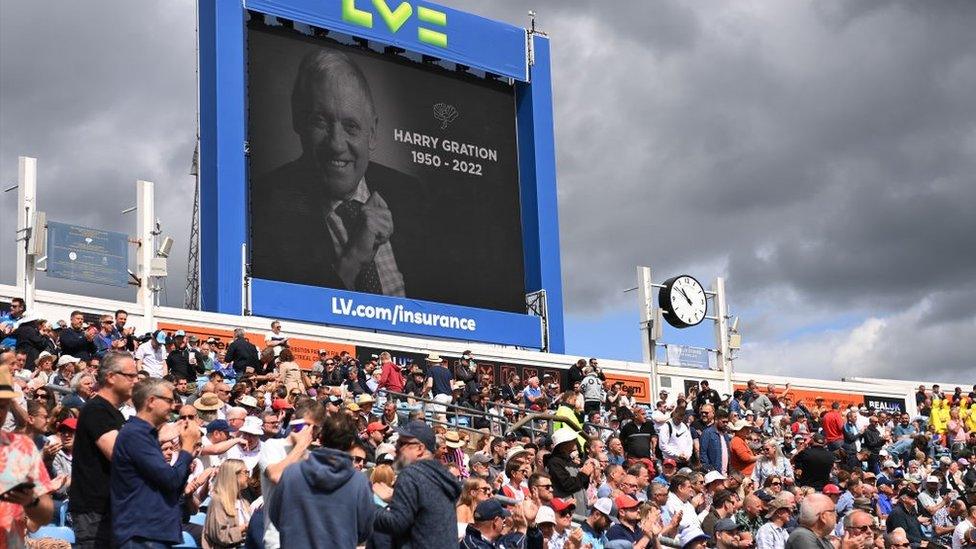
{"type": "Point", "coordinates": [682, 301]}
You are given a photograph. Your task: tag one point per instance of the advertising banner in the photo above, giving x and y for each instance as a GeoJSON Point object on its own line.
{"type": "Point", "coordinates": [640, 384]}
{"type": "Point", "coordinates": [376, 175]}
{"type": "Point", "coordinates": [391, 314]}
{"type": "Point", "coordinates": [887, 404]}
{"type": "Point", "coordinates": [88, 255]}
{"type": "Point", "coordinates": [416, 26]}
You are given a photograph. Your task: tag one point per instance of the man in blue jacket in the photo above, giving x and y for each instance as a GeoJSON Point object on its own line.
{"type": "Point", "coordinates": [324, 501]}
{"type": "Point", "coordinates": [145, 489]}
{"type": "Point", "coordinates": [422, 512]}
{"type": "Point", "coordinates": [714, 444]}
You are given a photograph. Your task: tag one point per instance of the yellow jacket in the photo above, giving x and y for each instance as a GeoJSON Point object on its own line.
{"type": "Point", "coordinates": [939, 418]}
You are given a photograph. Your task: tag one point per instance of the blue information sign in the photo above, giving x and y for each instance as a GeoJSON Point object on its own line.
{"type": "Point", "coordinates": [86, 254]}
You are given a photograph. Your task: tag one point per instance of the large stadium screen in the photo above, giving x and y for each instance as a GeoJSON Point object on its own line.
{"type": "Point", "coordinates": [373, 173]}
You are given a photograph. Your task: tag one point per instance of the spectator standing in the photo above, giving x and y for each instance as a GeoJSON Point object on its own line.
{"type": "Point", "coordinates": [98, 428]}
{"type": "Point", "coordinates": [30, 340]}
{"type": "Point", "coordinates": [675, 438]}
{"type": "Point", "coordinates": [714, 444]}
{"type": "Point", "coordinates": [142, 479]}
{"type": "Point", "coordinates": [833, 427]}
{"type": "Point", "coordinates": [105, 339]}
{"type": "Point", "coordinates": [151, 355]}
{"type": "Point", "coordinates": [425, 494]}
{"type": "Point", "coordinates": [76, 339]}
{"type": "Point", "coordinates": [815, 463]}
{"type": "Point", "coordinates": [241, 353]}
{"type": "Point", "coordinates": [326, 480]}
{"type": "Point", "coordinates": [638, 435]}
{"type": "Point", "coordinates": [743, 459]}
{"type": "Point", "coordinates": [575, 373]}
{"type": "Point", "coordinates": [275, 338]}
{"type": "Point", "coordinates": [391, 378]}
{"type": "Point", "coordinates": [182, 361]}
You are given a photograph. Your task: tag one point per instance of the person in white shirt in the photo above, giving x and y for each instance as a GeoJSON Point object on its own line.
{"type": "Point", "coordinates": [773, 534]}
{"type": "Point", "coordinates": [675, 438]}
{"type": "Point", "coordinates": [682, 497]}
{"type": "Point", "coordinates": [151, 355]}
{"type": "Point", "coordinates": [275, 338]}
{"type": "Point", "coordinates": [250, 449]}
{"type": "Point", "coordinates": [278, 453]}
{"type": "Point", "coordinates": [963, 535]}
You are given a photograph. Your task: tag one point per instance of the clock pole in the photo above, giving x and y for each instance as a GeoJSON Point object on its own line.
{"type": "Point", "coordinates": [722, 331]}
{"type": "Point", "coordinates": [650, 324]}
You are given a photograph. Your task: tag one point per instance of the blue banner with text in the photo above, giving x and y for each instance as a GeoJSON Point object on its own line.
{"type": "Point", "coordinates": [393, 314]}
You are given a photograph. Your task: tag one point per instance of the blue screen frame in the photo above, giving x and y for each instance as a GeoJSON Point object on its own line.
{"type": "Point", "coordinates": [471, 40]}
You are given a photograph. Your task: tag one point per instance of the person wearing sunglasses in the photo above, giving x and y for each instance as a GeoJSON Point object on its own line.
{"type": "Point", "coordinates": [327, 480]}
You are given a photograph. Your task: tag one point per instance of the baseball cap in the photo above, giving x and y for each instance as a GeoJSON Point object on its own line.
{"type": "Point", "coordinates": [691, 535]}
{"type": "Point", "coordinates": [218, 425]}
{"type": "Point", "coordinates": [323, 351]}
{"type": "Point", "coordinates": [479, 457]}
{"type": "Point", "coordinates": [933, 479]}
{"type": "Point", "coordinates": [907, 491]}
{"type": "Point", "coordinates": [888, 464]}
{"type": "Point", "coordinates": [559, 504]}
{"type": "Point", "coordinates": [604, 505]}
{"type": "Point", "coordinates": [179, 333]}
{"type": "Point", "coordinates": [726, 525]}
{"type": "Point", "coordinates": [490, 509]}
{"type": "Point", "coordinates": [375, 426]}
{"type": "Point", "coordinates": [421, 431]}
{"type": "Point", "coordinates": [66, 359]}
{"type": "Point", "coordinates": [623, 501]}
{"type": "Point", "coordinates": [831, 490]}
{"type": "Point", "coordinates": [779, 502]}
{"type": "Point", "coordinates": [280, 404]}
{"type": "Point", "coordinates": [671, 462]}
{"type": "Point", "coordinates": [161, 336]}
{"type": "Point", "coordinates": [70, 423]}
{"type": "Point", "coordinates": [545, 515]}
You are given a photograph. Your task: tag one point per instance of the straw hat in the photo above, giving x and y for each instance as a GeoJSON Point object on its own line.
{"type": "Point", "coordinates": [6, 383]}
{"type": "Point", "coordinates": [453, 439]}
{"type": "Point", "coordinates": [207, 402]}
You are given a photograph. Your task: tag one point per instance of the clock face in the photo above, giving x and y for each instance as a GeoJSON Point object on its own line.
{"type": "Point", "coordinates": [686, 301]}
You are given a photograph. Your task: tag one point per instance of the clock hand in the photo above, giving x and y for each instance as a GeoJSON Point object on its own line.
{"type": "Point", "coordinates": [688, 299]}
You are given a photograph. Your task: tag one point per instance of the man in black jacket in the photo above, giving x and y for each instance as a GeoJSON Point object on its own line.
{"type": "Point", "coordinates": [872, 441]}
{"type": "Point", "coordinates": [76, 340]}
{"type": "Point", "coordinates": [423, 501]}
{"type": "Point", "coordinates": [814, 463]}
{"type": "Point", "coordinates": [904, 515]}
{"type": "Point", "coordinates": [241, 353]}
{"type": "Point", "coordinates": [183, 362]}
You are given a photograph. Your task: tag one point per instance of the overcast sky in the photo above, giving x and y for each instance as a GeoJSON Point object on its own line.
{"type": "Point", "coordinates": [820, 155]}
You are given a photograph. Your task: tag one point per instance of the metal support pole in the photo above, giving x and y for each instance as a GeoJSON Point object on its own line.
{"type": "Point", "coordinates": [648, 317]}
{"type": "Point", "coordinates": [26, 216]}
{"type": "Point", "coordinates": [146, 221]}
{"type": "Point", "coordinates": [722, 332]}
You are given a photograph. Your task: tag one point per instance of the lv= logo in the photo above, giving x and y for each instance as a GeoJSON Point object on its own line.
{"type": "Point", "coordinates": [395, 18]}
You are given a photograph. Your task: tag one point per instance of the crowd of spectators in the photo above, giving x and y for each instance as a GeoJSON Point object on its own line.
{"type": "Point", "coordinates": [161, 439]}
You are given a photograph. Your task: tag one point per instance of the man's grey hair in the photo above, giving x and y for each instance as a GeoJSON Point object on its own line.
{"type": "Point", "coordinates": [849, 517]}
{"type": "Point", "coordinates": [811, 507]}
{"type": "Point", "coordinates": [318, 64]}
{"type": "Point", "coordinates": [78, 378]}
{"type": "Point", "coordinates": [147, 388]}
{"type": "Point", "coordinates": [111, 364]}
{"type": "Point", "coordinates": [235, 410]}
{"type": "Point", "coordinates": [239, 332]}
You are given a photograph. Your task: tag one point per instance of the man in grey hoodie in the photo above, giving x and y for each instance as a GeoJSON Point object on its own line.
{"type": "Point", "coordinates": [324, 501]}
{"type": "Point", "coordinates": [422, 511]}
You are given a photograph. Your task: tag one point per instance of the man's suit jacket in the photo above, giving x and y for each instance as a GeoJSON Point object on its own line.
{"type": "Point", "coordinates": [290, 239]}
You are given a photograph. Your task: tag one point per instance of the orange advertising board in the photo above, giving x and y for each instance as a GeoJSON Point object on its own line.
{"type": "Point", "coordinates": [641, 385]}
{"type": "Point", "coordinates": [305, 350]}
{"type": "Point", "coordinates": [809, 396]}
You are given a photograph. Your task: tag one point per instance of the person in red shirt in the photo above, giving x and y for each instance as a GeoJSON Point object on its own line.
{"type": "Point", "coordinates": [833, 427]}
{"type": "Point", "coordinates": [391, 378]}
{"type": "Point", "coordinates": [741, 456]}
